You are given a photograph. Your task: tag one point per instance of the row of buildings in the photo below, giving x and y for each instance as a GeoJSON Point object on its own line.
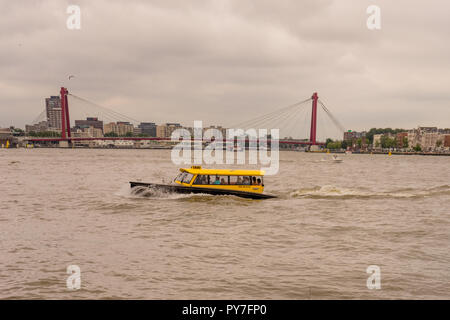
{"type": "Point", "coordinates": [418, 139]}
{"type": "Point", "coordinates": [93, 127]}
{"type": "Point", "coordinates": [429, 138]}
{"type": "Point", "coordinates": [423, 138]}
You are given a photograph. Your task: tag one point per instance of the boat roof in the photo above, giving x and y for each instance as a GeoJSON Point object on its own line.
{"type": "Point", "coordinates": [222, 172]}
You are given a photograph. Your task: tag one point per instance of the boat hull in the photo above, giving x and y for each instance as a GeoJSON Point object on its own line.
{"type": "Point", "coordinates": [182, 189]}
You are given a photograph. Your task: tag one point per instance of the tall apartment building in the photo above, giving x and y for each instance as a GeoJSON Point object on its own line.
{"type": "Point", "coordinates": [119, 128]}
{"type": "Point", "coordinates": [94, 132]}
{"type": "Point", "coordinates": [89, 132]}
{"type": "Point", "coordinates": [161, 131]}
{"type": "Point", "coordinates": [53, 110]}
{"type": "Point", "coordinates": [137, 131]}
{"type": "Point", "coordinates": [165, 130]}
{"type": "Point", "coordinates": [89, 122]}
{"type": "Point", "coordinates": [148, 128]}
{"type": "Point", "coordinates": [38, 127]}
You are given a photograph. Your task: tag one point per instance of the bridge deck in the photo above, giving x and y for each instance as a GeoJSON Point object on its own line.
{"type": "Point", "coordinates": [160, 139]}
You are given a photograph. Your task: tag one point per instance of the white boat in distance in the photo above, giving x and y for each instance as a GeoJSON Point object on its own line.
{"type": "Point", "coordinates": [336, 159]}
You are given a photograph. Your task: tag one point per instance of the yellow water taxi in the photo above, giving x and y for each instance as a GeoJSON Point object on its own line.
{"type": "Point", "coordinates": [241, 183]}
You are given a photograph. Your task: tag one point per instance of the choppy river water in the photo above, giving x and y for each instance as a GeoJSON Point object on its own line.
{"type": "Point", "coordinates": [315, 241]}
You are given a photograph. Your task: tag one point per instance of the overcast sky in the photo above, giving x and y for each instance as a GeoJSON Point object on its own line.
{"type": "Point", "coordinates": [225, 61]}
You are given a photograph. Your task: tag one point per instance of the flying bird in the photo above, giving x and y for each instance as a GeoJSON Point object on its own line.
{"type": "Point", "coordinates": [71, 76]}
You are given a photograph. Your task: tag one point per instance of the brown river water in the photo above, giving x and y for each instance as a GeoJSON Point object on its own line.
{"type": "Point", "coordinates": [61, 207]}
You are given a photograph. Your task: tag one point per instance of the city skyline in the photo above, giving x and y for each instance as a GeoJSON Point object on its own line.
{"type": "Point", "coordinates": [229, 60]}
{"type": "Point", "coordinates": [50, 119]}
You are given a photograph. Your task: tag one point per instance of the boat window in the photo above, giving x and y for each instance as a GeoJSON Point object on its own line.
{"type": "Point", "coordinates": [223, 180]}
{"type": "Point", "coordinates": [216, 179]}
{"type": "Point", "coordinates": [236, 180]}
{"type": "Point", "coordinates": [198, 180]}
{"type": "Point", "coordinates": [187, 178]}
{"type": "Point", "coordinates": [201, 179]}
{"type": "Point", "coordinates": [243, 180]}
{"type": "Point", "coordinates": [180, 177]}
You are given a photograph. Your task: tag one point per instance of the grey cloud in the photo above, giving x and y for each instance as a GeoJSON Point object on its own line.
{"type": "Point", "coordinates": [224, 61]}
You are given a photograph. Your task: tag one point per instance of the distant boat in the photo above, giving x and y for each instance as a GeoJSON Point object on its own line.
{"type": "Point", "coordinates": [336, 159]}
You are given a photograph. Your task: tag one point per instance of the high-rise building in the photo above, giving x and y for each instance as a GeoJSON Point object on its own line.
{"type": "Point", "coordinates": [171, 127]}
{"type": "Point", "coordinates": [148, 128]}
{"type": "Point", "coordinates": [137, 131]}
{"type": "Point", "coordinates": [165, 130]}
{"type": "Point", "coordinates": [38, 127]}
{"type": "Point", "coordinates": [89, 132]}
{"type": "Point", "coordinates": [119, 128]}
{"type": "Point", "coordinates": [53, 109]}
{"type": "Point", "coordinates": [89, 122]}
{"type": "Point", "coordinates": [161, 131]}
{"type": "Point", "coordinates": [94, 132]}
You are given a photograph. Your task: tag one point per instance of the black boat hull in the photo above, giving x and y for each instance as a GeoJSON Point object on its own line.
{"type": "Point", "coordinates": [182, 189]}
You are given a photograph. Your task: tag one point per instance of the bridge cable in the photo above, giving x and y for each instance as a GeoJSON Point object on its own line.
{"type": "Point", "coordinates": [286, 122]}
{"type": "Point", "coordinates": [117, 114]}
{"type": "Point", "coordinates": [40, 117]}
{"type": "Point", "coordinates": [269, 114]}
{"type": "Point", "coordinates": [87, 112]}
{"type": "Point", "coordinates": [271, 121]}
{"type": "Point", "coordinates": [272, 115]}
{"type": "Point", "coordinates": [291, 129]}
{"type": "Point", "coordinates": [335, 121]}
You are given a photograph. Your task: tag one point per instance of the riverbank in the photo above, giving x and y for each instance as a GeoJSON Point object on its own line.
{"type": "Point", "coordinates": [291, 150]}
{"type": "Point", "coordinates": [398, 153]}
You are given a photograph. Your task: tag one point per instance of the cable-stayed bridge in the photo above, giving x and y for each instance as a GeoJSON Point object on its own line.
{"type": "Point", "coordinates": [308, 122]}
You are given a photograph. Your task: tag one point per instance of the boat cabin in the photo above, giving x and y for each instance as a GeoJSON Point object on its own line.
{"type": "Point", "coordinates": [239, 180]}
